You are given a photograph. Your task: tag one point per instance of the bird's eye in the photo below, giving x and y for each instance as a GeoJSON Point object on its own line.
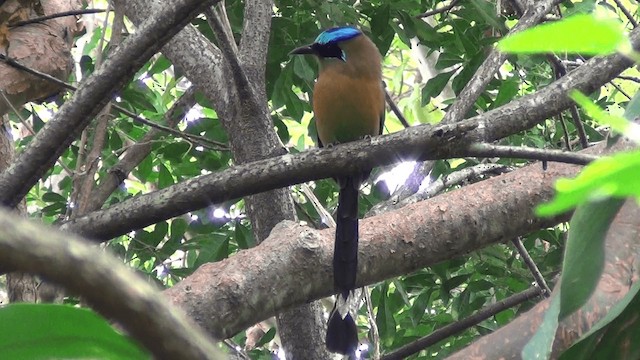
{"type": "Point", "coordinates": [331, 51]}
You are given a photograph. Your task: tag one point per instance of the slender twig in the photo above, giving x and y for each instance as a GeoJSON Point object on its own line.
{"type": "Point", "coordinates": [236, 349]}
{"type": "Point", "coordinates": [459, 326]}
{"type": "Point", "coordinates": [577, 122]}
{"type": "Point", "coordinates": [54, 16]}
{"type": "Point", "coordinates": [456, 178]}
{"type": "Point", "coordinates": [521, 152]}
{"type": "Point", "coordinates": [395, 109]}
{"type": "Point", "coordinates": [565, 132]}
{"type": "Point", "coordinates": [620, 89]}
{"type": "Point", "coordinates": [199, 140]}
{"type": "Point", "coordinates": [325, 216]}
{"type": "Point", "coordinates": [84, 184]}
{"type": "Point", "coordinates": [373, 330]}
{"type": "Point", "coordinates": [535, 271]}
{"type": "Point", "coordinates": [626, 13]}
{"type": "Point", "coordinates": [630, 78]}
{"type": "Point", "coordinates": [559, 71]}
{"type": "Point", "coordinates": [220, 25]}
{"type": "Point", "coordinates": [440, 10]}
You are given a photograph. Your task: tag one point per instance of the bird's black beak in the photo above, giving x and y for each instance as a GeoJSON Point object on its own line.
{"type": "Point", "coordinates": [302, 50]}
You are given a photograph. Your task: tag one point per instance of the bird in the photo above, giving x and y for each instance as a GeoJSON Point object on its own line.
{"type": "Point", "coordinates": [348, 104]}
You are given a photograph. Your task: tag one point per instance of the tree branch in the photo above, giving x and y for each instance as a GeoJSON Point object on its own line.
{"type": "Point", "coordinates": [446, 8]}
{"type": "Point", "coordinates": [620, 272]}
{"type": "Point", "coordinates": [112, 288]}
{"type": "Point", "coordinates": [523, 152]}
{"type": "Point", "coordinates": [239, 291]}
{"type": "Point", "coordinates": [92, 95]}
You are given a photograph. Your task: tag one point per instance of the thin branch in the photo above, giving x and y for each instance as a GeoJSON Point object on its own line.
{"type": "Point", "coordinates": [456, 178]}
{"type": "Point", "coordinates": [195, 139]}
{"type": "Point", "coordinates": [459, 326]}
{"type": "Point", "coordinates": [84, 183]}
{"type": "Point", "coordinates": [439, 10]}
{"type": "Point", "coordinates": [630, 78]}
{"type": "Point", "coordinates": [220, 26]}
{"type": "Point", "coordinates": [54, 16]}
{"type": "Point", "coordinates": [577, 122]}
{"type": "Point", "coordinates": [373, 331]}
{"type": "Point", "coordinates": [620, 90]}
{"type": "Point", "coordinates": [565, 132]}
{"type": "Point", "coordinates": [325, 216]}
{"type": "Point", "coordinates": [236, 349]}
{"type": "Point", "coordinates": [395, 109]}
{"type": "Point", "coordinates": [560, 71]}
{"type": "Point", "coordinates": [626, 13]}
{"type": "Point", "coordinates": [439, 185]}
{"type": "Point", "coordinates": [521, 152]}
{"type": "Point", "coordinates": [537, 275]}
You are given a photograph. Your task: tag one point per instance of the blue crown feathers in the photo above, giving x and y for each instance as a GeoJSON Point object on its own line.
{"type": "Point", "coordinates": [337, 34]}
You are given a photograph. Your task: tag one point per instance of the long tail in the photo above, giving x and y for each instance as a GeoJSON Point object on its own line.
{"type": "Point", "coordinates": [345, 253]}
{"type": "Point", "coordinates": [342, 334]}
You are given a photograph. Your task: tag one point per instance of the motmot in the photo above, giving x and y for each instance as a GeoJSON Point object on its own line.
{"type": "Point", "coordinates": [348, 105]}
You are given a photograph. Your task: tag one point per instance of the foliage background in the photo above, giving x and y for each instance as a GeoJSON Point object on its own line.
{"type": "Point", "coordinates": [427, 63]}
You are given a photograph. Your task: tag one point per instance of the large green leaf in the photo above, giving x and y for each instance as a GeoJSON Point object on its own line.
{"type": "Point", "coordinates": [584, 253]}
{"type": "Point", "coordinates": [539, 346]}
{"type": "Point", "coordinates": [44, 331]}
{"type": "Point", "coordinates": [582, 33]}
{"type": "Point", "coordinates": [614, 323]}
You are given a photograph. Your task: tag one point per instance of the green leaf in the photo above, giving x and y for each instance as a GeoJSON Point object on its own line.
{"type": "Point", "coordinates": [384, 317]}
{"type": "Point", "coordinates": [244, 237]}
{"type": "Point", "coordinates": [487, 12]}
{"type": "Point", "coordinates": [159, 65]}
{"type": "Point", "coordinates": [165, 178]}
{"type": "Point", "coordinates": [539, 347]}
{"type": "Point", "coordinates": [618, 123]}
{"type": "Point", "coordinates": [45, 331]}
{"type": "Point", "coordinates": [584, 348]}
{"type": "Point", "coordinates": [584, 253]}
{"type": "Point", "coordinates": [507, 92]}
{"type": "Point", "coordinates": [303, 69]}
{"type": "Point", "coordinates": [53, 197]}
{"type": "Point", "coordinates": [267, 337]}
{"type": "Point", "coordinates": [582, 33]}
{"type": "Point", "coordinates": [144, 168]}
{"type": "Point", "coordinates": [615, 175]}
{"type": "Point", "coordinates": [434, 86]}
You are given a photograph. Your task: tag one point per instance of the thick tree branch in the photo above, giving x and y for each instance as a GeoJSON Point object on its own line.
{"type": "Point", "coordinates": [92, 95]}
{"type": "Point", "coordinates": [622, 255]}
{"type": "Point", "coordinates": [111, 287]}
{"type": "Point", "coordinates": [293, 265]}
